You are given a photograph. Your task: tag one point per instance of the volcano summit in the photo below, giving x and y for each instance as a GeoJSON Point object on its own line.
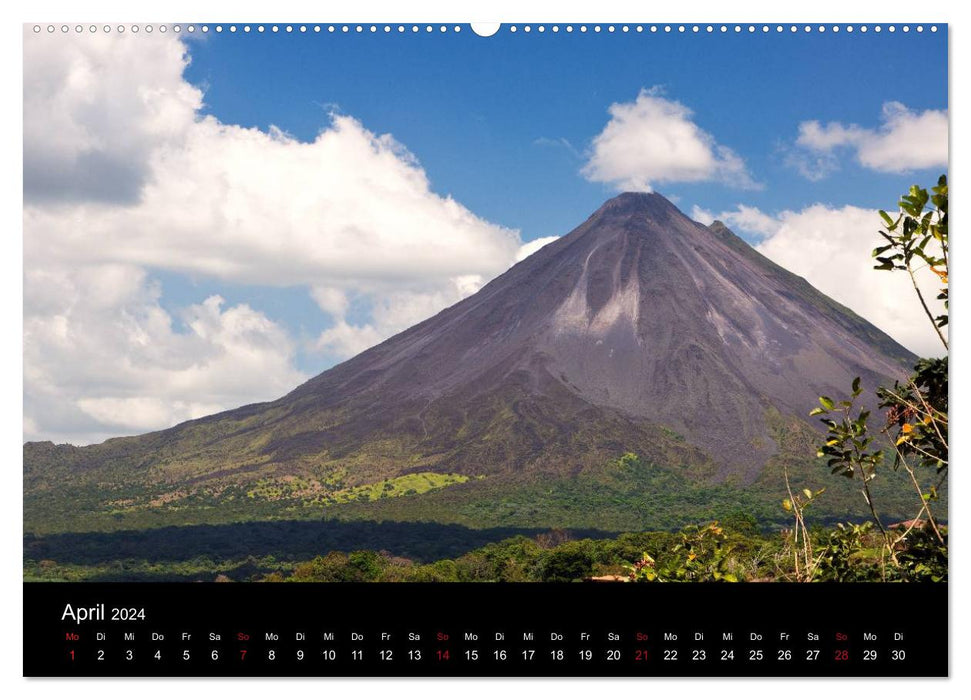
{"type": "Point", "coordinates": [640, 331]}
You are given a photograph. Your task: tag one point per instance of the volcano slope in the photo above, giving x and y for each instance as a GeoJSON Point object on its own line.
{"type": "Point", "coordinates": [640, 333]}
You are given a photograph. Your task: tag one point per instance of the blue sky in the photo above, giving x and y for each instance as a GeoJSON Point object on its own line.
{"type": "Point", "coordinates": [224, 216]}
{"type": "Point", "coordinates": [474, 121]}
{"type": "Point", "coordinates": [505, 128]}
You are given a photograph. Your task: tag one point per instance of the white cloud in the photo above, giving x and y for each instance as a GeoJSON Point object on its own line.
{"type": "Point", "coordinates": [346, 340]}
{"type": "Point", "coordinates": [830, 247]}
{"type": "Point", "coordinates": [906, 140]}
{"type": "Point", "coordinates": [257, 208]}
{"type": "Point", "coordinates": [750, 220]}
{"type": "Point", "coordinates": [392, 311]}
{"type": "Point", "coordinates": [701, 215]}
{"type": "Point", "coordinates": [143, 413]}
{"type": "Point", "coordinates": [124, 175]}
{"type": "Point", "coordinates": [75, 148]}
{"type": "Point", "coordinates": [528, 249]}
{"type": "Point", "coordinates": [653, 140]}
{"type": "Point", "coordinates": [102, 357]}
{"type": "Point", "coordinates": [331, 300]}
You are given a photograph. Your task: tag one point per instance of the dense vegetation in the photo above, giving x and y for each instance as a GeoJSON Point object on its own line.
{"type": "Point", "coordinates": [625, 494]}
{"type": "Point", "coordinates": [734, 550]}
{"type": "Point", "coordinates": [246, 539]}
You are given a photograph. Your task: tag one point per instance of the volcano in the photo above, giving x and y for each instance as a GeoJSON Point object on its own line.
{"type": "Point", "coordinates": [640, 331]}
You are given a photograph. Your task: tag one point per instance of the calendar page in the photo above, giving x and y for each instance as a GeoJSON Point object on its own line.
{"type": "Point", "coordinates": [546, 349]}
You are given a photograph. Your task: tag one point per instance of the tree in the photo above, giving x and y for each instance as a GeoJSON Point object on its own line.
{"type": "Point", "coordinates": [915, 428]}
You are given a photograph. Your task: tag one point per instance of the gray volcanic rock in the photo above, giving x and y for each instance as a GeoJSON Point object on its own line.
{"type": "Point", "coordinates": [638, 324]}
{"type": "Point", "coordinates": [644, 311]}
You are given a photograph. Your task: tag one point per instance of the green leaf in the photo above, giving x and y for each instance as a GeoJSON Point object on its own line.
{"type": "Point", "coordinates": [826, 403]}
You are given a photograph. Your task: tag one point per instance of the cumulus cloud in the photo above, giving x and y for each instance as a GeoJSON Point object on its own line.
{"type": "Point", "coordinates": [253, 207]}
{"type": "Point", "coordinates": [391, 312]}
{"type": "Point", "coordinates": [344, 339]}
{"type": "Point", "coordinates": [906, 140]}
{"type": "Point", "coordinates": [750, 220]}
{"type": "Point", "coordinates": [102, 357]}
{"type": "Point", "coordinates": [331, 300]}
{"type": "Point", "coordinates": [830, 247]}
{"type": "Point", "coordinates": [124, 175]}
{"type": "Point", "coordinates": [702, 215]}
{"type": "Point", "coordinates": [653, 140]}
{"type": "Point", "coordinates": [528, 249]}
{"type": "Point", "coordinates": [91, 138]}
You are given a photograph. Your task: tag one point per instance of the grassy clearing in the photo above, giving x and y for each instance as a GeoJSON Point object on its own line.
{"type": "Point", "coordinates": [310, 492]}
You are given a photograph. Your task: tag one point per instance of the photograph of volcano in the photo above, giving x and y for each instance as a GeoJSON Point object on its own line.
{"type": "Point", "coordinates": [613, 303]}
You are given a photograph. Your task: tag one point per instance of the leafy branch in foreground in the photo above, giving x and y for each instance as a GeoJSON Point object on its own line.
{"type": "Point", "coordinates": [916, 410]}
{"type": "Point", "coordinates": [848, 446]}
{"type": "Point", "coordinates": [918, 237]}
{"type": "Point", "coordinates": [703, 554]}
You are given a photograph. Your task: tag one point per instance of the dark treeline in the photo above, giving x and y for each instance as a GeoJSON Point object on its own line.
{"type": "Point", "coordinates": [286, 540]}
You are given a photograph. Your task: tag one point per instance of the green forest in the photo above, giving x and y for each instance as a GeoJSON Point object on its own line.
{"type": "Point", "coordinates": [731, 551]}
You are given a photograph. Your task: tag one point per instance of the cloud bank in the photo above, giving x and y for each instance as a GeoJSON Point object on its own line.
{"type": "Point", "coordinates": [123, 176]}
